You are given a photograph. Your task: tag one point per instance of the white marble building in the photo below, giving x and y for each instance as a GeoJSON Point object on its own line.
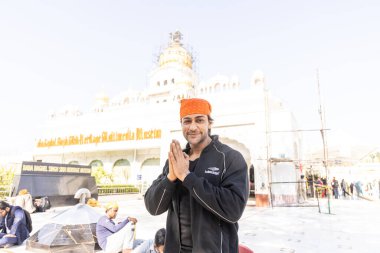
{"type": "Point", "coordinates": [129, 135]}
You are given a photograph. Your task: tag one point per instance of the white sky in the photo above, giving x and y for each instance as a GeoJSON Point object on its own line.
{"type": "Point", "coordinates": [55, 53]}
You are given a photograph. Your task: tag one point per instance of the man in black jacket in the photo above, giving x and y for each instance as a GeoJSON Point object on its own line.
{"type": "Point", "coordinates": [13, 228]}
{"type": "Point", "coordinates": [204, 188]}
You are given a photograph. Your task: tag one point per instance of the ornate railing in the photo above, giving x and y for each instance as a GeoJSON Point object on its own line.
{"type": "Point", "coordinates": [117, 189]}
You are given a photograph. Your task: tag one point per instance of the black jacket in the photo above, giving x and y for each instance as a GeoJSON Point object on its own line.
{"type": "Point", "coordinates": [16, 224]}
{"type": "Point", "coordinates": [218, 191]}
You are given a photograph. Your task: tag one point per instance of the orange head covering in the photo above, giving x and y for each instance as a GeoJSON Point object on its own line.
{"type": "Point", "coordinates": [194, 106]}
{"type": "Point", "coordinates": [23, 192]}
{"type": "Point", "coordinates": [92, 202]}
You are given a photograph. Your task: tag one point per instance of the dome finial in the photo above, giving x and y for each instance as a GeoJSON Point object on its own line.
{"type": "Point", "coordinates": [176, 37]}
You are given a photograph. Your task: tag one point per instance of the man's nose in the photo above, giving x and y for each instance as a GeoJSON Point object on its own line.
{"type": "Point", "coordinates": [193, 125]}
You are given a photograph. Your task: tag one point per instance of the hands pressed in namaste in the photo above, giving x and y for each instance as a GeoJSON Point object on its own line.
{"type": "Point", "coordinates": [178, 162]}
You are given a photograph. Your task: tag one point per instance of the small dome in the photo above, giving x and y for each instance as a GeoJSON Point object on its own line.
{"type": "Point", "coordinates": [175, 53]}
{"type": "Point", "coordinates": [257, 77]}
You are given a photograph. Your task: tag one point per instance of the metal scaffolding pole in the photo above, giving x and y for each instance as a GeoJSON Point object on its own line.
{"type": "Point", "coordinates": [324, 141]}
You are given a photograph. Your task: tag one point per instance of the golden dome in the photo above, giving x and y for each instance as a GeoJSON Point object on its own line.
{"type": "Point", "coordinates": [175, 53]}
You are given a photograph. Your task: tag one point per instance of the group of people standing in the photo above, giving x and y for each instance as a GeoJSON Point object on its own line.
{"type": "Point", "coordinates": [349, 190]}
{"type": "Point", "coordinates": [342, 189]}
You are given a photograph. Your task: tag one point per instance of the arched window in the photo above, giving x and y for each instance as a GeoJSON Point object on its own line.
{"type": "Point", "coordinates": [96, 164]}
{"type": "Point", "coordinates": [121, 171]}
{"type": "Point", "coordinates": [121, 162]}
{"type": "Point", "coordinates": [217, 87]}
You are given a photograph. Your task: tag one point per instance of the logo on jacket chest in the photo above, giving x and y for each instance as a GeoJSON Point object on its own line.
{"type": "Point", "coordinates": [213, 171]}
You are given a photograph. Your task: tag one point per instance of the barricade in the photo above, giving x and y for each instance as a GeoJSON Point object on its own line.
{"type": "Point", "coordinates": [289, 194]}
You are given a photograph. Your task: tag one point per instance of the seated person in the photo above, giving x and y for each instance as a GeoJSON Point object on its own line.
{"type": "Point", "coordinates": [113, 238]}
{"type": "Point", "coordinates": [13, 229]}
{"type": "Point", "coordinates": [25, 201]}
{"type": "Point", "coordinates": [42, 204]}
{"type": "Point", "coordinates": [149, 246]}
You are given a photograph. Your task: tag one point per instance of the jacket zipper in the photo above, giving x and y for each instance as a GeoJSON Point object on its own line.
{"type": "Point", "coordinates": [160, 202]}
{"type": "Point", "coordinates": [221, 238]}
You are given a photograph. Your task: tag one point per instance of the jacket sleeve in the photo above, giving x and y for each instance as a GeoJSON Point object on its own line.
{"type": "Point", "coordinates": [19, 217]}
{"type": "Point", "coordinates": [112, 227]}
{"type": "Point", "coordinates": [228, 200]}
{"type": "Point", "coordinates": [2, 225]}
{"type": "Point", "coordinates": [159, 195]}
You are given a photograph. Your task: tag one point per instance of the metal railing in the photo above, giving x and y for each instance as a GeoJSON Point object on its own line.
{"type": "Point", "coordinates": [115, 190]}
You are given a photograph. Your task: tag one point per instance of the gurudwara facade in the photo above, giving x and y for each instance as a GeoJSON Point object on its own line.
{"type": "Point", "coordinates": [129, 135]}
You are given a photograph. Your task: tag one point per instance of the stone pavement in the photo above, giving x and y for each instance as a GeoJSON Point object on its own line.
{"type": "Point", "coordinates": [352, 226]}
